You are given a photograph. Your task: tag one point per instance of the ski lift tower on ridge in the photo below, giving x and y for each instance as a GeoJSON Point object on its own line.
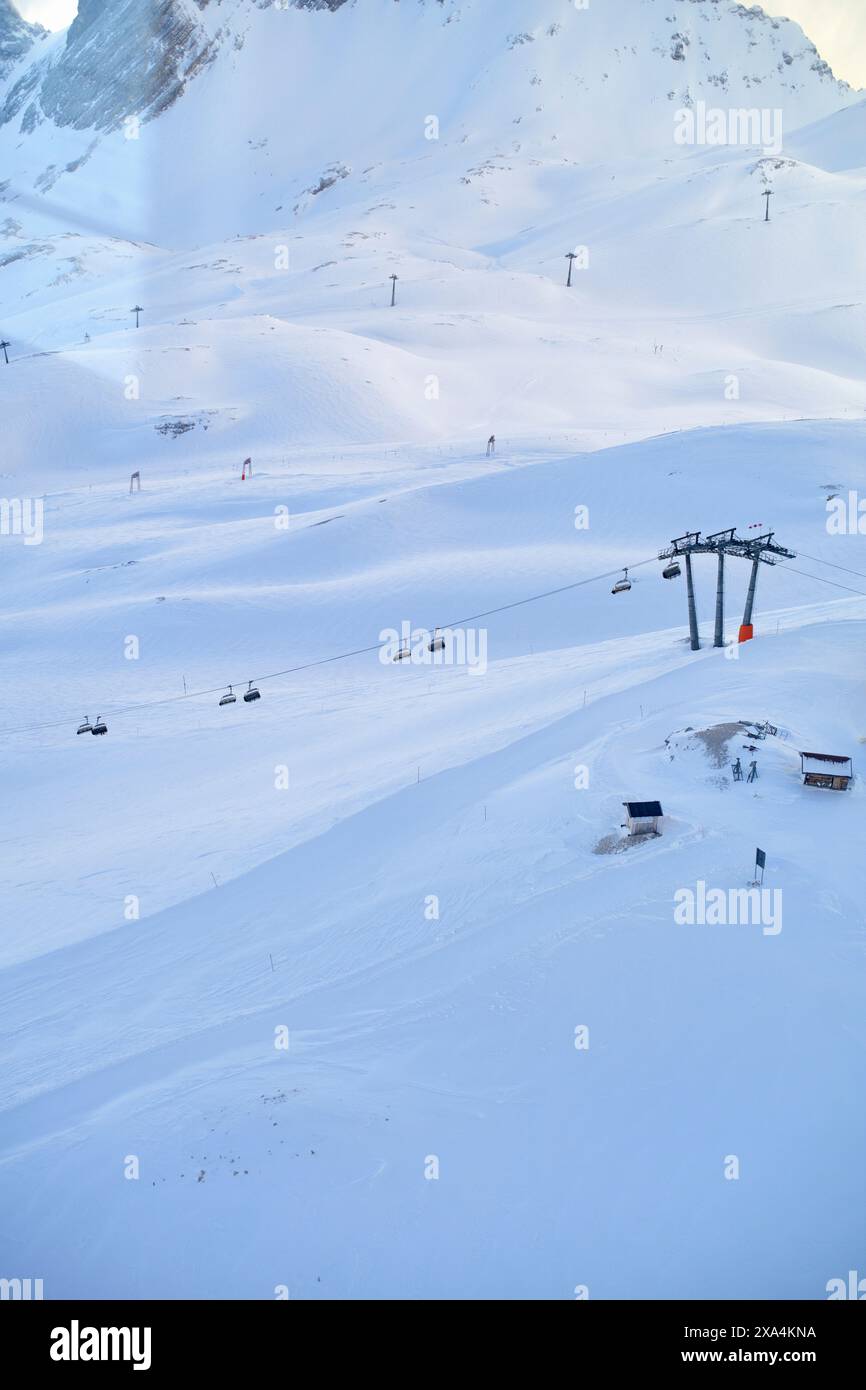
{"type": "Point", "coordinates": [760, 550]}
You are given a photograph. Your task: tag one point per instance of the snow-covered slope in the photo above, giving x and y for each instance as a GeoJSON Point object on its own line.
{"type": "Point", "coordinates": [836, 143]}
{"type": "Point", "coordinates": [417, 870]}
{"type": "Point", "coordinates": [281, 102]}
{"type": "Point", "coordinates": [433, 913]}
{"type": "Point", "coordinates": [552, 135]}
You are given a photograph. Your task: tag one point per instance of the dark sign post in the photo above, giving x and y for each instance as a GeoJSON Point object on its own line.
{"type": "Point", "coordinates": [760, 863]}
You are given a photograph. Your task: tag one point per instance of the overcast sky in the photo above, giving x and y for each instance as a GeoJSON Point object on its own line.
{"type": "Point", "coordinates": [838, 27]}
{"type": "Point", "coordinates": [54, 14]}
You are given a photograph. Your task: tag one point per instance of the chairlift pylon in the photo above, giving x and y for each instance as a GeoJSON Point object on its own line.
{"type": "Point", "coordinates": [252, 694]}
{"type": "Point", "coordinates": [229, 698]}
{"type": "Point", "coordinates": [623, 585]}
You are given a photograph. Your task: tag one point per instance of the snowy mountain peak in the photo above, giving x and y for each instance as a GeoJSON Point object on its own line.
{"type": "Point", "coordinates": [124, 57]}
{"type": "Point", "coordinates": [16, 37]}
{"type": "Point", "coordinates": [118, 59]}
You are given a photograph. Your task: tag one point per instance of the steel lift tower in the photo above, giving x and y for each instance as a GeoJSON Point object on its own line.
{"type": "Point", "coordinates": [760, 550]}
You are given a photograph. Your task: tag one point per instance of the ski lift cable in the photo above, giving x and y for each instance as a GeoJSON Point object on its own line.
{"type": "Point", "coordinates": [364, 651]}
{"type": "Point", "coordinates": [549, 594]}
{"type": "Point", "coordinates": [326, 660]}
{"type": "Point", "coordinates": [821, 580]}
{"type": "Point", "coordinates": [829, 563]}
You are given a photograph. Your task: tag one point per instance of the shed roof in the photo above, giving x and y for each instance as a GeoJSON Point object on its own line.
{"type": "Point", "coordinates": [640, 810]}
{"type": "Point", "coordinates": [825, 763]}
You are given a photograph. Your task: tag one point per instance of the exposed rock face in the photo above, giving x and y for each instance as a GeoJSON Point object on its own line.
{"type": "Point", "coordinates": [121, 58]}
{"type": "Point", "coordinates": [16, 37]}
{"type": "Point", "coordinates": [305, 4]}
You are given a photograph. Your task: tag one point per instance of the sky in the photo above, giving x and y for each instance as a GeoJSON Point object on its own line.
{"type": "Point", "coordinates": [54, 14]}
{"type": "Point", "coordinates": [837, 27]}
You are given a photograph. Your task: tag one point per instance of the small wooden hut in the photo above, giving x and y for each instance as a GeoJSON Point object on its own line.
{"type": "Point", "coordinates": [642, 817]}
{"type": "Point", "coordinates": [827, 770]}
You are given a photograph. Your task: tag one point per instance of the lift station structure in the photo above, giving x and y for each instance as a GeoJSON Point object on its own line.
{"type": "Point", "coordinates": [761, 550]}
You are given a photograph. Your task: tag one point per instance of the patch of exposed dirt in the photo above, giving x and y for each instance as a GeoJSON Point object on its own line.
{"type": "Point", "coordinates": [618, 844]}
{"type": "Point", "coordinates": [716, 740]}
{"type": "Point", "coordinates": [713, 742]}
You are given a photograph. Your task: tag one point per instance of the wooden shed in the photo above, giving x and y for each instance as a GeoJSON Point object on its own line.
{"type": "Point", "coordinates": [827, 770]}
{"type": "Point", "coordinates": [642, 817]}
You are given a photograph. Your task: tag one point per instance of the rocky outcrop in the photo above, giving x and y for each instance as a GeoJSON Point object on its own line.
{"type": "Point", "coordinates": [17, 37]}
{"type": "Point", "coordinates": [121, 58]}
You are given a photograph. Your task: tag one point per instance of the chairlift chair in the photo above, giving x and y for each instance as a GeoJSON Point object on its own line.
{"type": "Point", "coordinates": [100, 727]}
{"type": "Point", "coordinates": [229, 698]}
{"type": "Point", "coordinates": [252, 694]}
{"type": "Point", "coordinates": [404, 653]}
{"type": "Point", "coordinates": [437, 644]}
{"type": "Point", "coordinates": [623, 585]}
{"type": "Point", "coordinates": [671, 571]}
{"type": "Point", "coordinates": [86, 727]}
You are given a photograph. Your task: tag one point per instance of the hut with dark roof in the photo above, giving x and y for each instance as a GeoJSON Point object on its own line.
{"type": "Point", "coordinates": [828, 770]}
{"type": "Point", "coordinates": [642, 817]}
